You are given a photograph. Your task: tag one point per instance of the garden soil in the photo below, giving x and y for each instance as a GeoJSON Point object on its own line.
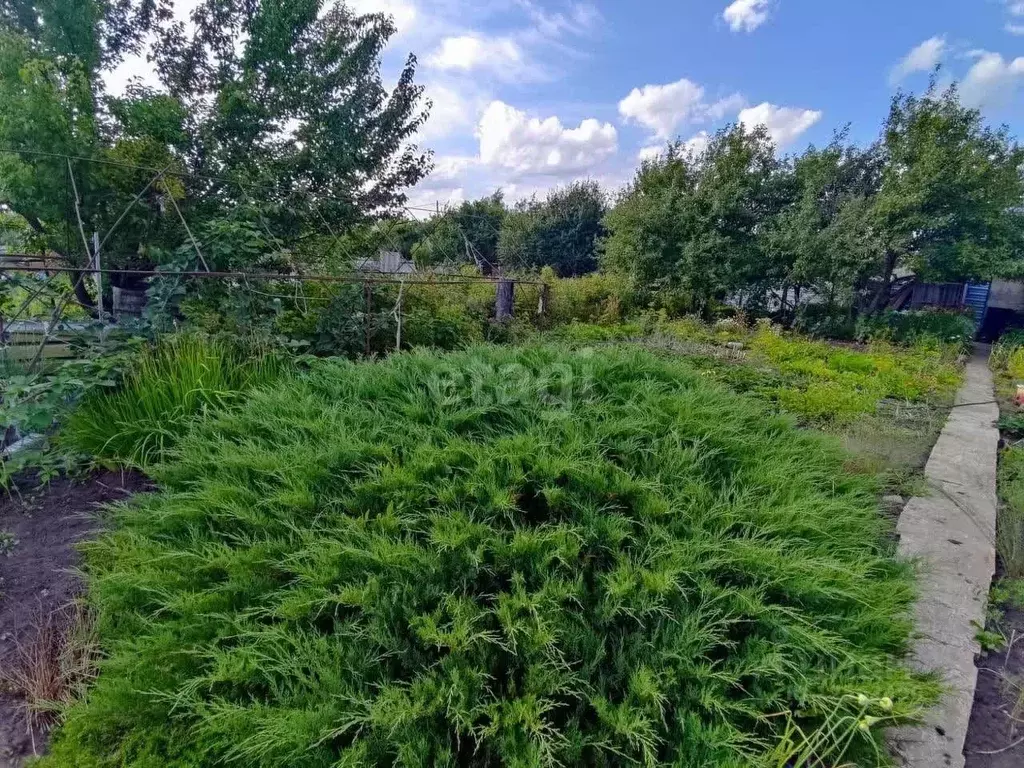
{"type": "Point", "coordinates": [995, 738]}
{"type": "Point", "coordinates": [36, 577]}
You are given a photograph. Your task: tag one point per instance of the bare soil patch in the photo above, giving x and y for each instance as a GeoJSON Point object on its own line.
{"type": "Point", "coordinates": [995, 738]}
{"type": "Point", "coordinates": [37, 579]}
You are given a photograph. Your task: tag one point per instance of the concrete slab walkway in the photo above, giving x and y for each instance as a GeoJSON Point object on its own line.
{"type": "Point", "coordinates": [952, 533]}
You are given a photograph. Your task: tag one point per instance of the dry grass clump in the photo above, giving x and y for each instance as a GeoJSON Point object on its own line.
{"type": "Point", "coordinates": [53, 665]}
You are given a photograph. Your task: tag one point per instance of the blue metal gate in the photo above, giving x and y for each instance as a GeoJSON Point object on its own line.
{"type": "Point", "coordinates": [976, 298]}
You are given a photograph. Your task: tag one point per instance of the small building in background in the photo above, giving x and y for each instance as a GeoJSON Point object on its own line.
{"type": "Point", "coordinates": [387, 263]}
{"type": "Point", "coordinates": [1005, 309]}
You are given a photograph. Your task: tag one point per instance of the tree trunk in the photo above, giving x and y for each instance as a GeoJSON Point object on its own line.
{"type": "Point", "coordinates": [82, 294]}
{"type": "Point", "coordinates": [881, 297]}
{"type": "Point", "coordinates": [505, 300]}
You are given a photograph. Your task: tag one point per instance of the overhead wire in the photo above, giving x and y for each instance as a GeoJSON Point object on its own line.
{"type": "Point", "coordinates": [387, 227]}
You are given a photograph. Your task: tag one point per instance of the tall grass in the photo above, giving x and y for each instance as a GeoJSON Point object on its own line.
{"type": "Point", "coordinates": [169, 385]}
{"type": "Point", "coordinates": [1010, 528]}
{"type": "Point", "coordinates": [499, 557]}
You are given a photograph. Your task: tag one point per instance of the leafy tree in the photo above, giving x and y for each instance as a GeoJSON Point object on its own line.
{"type": "Point", "coordinates": [284, 99]}
{"type": "Point", "coordinates": [693, 222]}
{"type": "Point", "coordinates": [289, 95]}
{"type": "Point", "coordinates": [646, 227]}
{"type": "Point", "coordinates": [52, 54]}
{"type": "Point", "coordinates": [949, 203]}
{"type": "Point", "coordinates": [468, 233]}
{"type": "Point", "coordinates": [561, 232]}
{"type": "Point", "coordinates": [822, 240]}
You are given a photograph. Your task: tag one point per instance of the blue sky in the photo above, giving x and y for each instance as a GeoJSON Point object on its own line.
{"type": "Point", "coordinates": [531, 94]}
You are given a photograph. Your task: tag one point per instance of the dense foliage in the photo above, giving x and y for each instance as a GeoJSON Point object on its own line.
{"type": "Point", "coordinates": [561, 232]}
{"type": "Point", "coordinates": [488, 558]}
{"type": "Point", "coordinates": [823, 384]}
{"type": "Point", "coordinates": [691, 222]}
{"type": "Point", "coordinates": [947, 326]}
{"type": "Point", "coordinates": [278, 107]}
{"type": "Point", "coordinates": [937, 195]}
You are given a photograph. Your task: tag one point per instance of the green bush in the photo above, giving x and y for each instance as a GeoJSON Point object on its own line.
{"type": "Point", "coordinates": [824, 321]}
{"type": "Point", "coordinates": [521, 557]}
{"type": "Point", "coordinates": [598, 298]}
{"type": "Point", "coordinates": [827, 383]}
{"type": "Point", "coordinates": [943, 325]}
{"type": "Point", "coordinates": [589, 332]}
{"type": "Point", "coordinates": [162, 392]}
{"type": "Point", "coordinates": [1007, 356]}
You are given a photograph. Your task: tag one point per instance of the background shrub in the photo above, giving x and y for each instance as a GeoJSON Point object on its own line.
{"type": "Point", "coordinates": [596, 298]}
{"type": "Point", "coordinates": [910, 327]}
{"type": "Point", "coordinates": [522, 557]}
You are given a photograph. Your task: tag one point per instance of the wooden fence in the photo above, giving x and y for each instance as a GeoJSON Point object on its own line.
{"type": "Point", "coordinates": [20, 341]}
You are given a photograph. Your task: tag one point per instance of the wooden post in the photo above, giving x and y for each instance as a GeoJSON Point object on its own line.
{"type": "Point", "coordinates": [544, 300]}
{"type": "Point", "coordinates": [397, 314]}
{"type": "Point", "coordinates": [368, 309]}
{"type": "Point", "coordinates": [505, 300]}
{"type": "Point", "coordinates": [99, 272]}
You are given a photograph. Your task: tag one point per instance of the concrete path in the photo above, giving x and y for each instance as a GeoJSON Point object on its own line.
{"type": "Point", "coordinates": [952, 532]}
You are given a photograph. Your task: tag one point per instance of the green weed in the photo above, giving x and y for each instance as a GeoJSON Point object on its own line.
{"type": "Point", "coordinates": [825, 384]}
{"type": "Point", "coordinates": [498, 557]}
{"type": "Point", "coordinates": [7, 543]}
{"type": "Point", "coordinates": [166, 388]}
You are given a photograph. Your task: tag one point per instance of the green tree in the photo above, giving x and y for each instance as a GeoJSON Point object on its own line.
{"type": "Point", "coordinates": [949, 203]}
{"type": "Point", "coordinates": [287, 99]}
{"type": "Point", "coordinates": [52, 55]}
{"type": "Point", "coordinates": [284, 99]}
{"type": "Point", "coordinates": [694, 222]}
{"type": "Point", "coordinates": [823, 240]}
{"type": "Point", "coordinates": [465, 234]}
{"type": "Point", "coordinates": [562, 232]}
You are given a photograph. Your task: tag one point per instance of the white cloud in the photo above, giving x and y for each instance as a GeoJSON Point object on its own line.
{"type": "Point", "coordinates": [923, 58]}
{"type": "Point", "coordinates": [501, 57]}
{"type": "Point", "coordinates": [451, 167]}
{"type": "Point", "coordinates": [697, 144]}
{"type": "Point", "coordinates": [511, 139]}
{"type": "Point", "coordinates": [445, 184]}
{"type": "Point", "coordinates": [663, 108]}
{"type": "Point", "coordinates": [726, 106]}
{"type": "Point", "coordinates": [1016, 10]}
{"type": "Point", "coordinates": [579, 19]}
{"type": "Point", "coordinates": [784, 124]}
{"type": "Point", "coordinates": [991, 80]}
{"type": "Point", "coordinates": [651, 152]}
{"type": "Point", "coordinates": [455, 108]}
{"type": "Point", "coordinates": [747, 15]}
{"type": "Point", "coordinates": [468, 52]}
{"type": "Point", "coordinates": [404, 13]}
